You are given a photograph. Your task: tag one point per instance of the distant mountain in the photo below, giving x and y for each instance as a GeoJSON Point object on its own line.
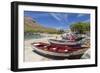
{"type": "Point", "coordinates": [30, 25]}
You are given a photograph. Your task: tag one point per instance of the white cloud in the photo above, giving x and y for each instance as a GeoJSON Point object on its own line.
{"type": "Point", "coordinates": [88, 20]}
{"type": "Point", "coordinates": [80, 15]}
{"type": "Point", "coordinates": [55, 16]}
{"type": "Point", "coordinates": [61, 17]}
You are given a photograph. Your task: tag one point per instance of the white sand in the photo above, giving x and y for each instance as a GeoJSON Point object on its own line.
{"type": "Point", "coordinates": [30, 55]}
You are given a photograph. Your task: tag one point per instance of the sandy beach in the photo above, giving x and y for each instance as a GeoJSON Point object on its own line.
{"type": "Point", "coordinates": [30, 55]}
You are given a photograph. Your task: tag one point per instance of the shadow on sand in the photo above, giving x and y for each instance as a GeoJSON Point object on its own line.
{"type": "Point", "coordinates": [57, 57]}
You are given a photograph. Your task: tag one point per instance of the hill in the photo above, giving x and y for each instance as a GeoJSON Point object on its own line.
{"type": "Point", "coordinates": [30, 25]}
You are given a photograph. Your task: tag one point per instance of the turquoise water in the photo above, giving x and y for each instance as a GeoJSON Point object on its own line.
{"type": "Point", "coordinates": [33, 36]}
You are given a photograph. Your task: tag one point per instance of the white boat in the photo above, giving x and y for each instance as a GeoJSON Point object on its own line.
{"type": "Point", "coordinates": [65, 42]}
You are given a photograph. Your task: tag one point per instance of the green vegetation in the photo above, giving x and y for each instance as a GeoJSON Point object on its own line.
{"type": "Point", "coordinates": [41, 30]}
{"type": "Point", "coordinates": [61, 31]}
{"type": "Point", "coordinates": [80, 27]}
{"type": "Point", "coordinates": [31, 26]}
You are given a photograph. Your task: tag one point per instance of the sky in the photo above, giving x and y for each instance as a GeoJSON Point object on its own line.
{"type": "Point", "coordinates": [57, 20]}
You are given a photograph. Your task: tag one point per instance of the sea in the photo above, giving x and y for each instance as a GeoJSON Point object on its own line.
{"type": "Point", "coordinates": [33, 36]}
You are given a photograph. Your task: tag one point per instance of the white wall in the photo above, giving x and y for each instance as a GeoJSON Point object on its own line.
{"type": "Point", "coordinates": [5, 35]}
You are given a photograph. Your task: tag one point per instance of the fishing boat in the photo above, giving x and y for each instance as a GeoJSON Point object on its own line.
{"type": "Point", "coordinates": [69, 39]}
{"type": "Point", "coordinates": [72, 36]}
{"type": "Point", "coordinates": [56, 50]}
{"type": "Point", "coordinates": [66, 42]}
{"type": "Point", "coordinates": [61, 48]}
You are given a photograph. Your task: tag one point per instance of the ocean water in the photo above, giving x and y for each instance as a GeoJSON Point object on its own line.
{"type": "Point", "coordinates": [33, 36]}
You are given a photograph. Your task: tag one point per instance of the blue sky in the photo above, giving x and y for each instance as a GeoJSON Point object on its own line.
{"type": "Point", "coordinates": [56, 19]}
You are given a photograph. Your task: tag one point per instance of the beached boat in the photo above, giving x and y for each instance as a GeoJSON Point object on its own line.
{"type": "Point", "coordinates": [70, 40]}
{"type": "Point", "coordinates": [56, 50]}
{"type": "Point", "coordinates": [72, 36]}
{"type": "Point", "coordinates": [65, 42]}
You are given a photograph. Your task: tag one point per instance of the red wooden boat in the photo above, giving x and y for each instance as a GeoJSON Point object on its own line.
{"type": "Point", "coordinates": [56, 50]}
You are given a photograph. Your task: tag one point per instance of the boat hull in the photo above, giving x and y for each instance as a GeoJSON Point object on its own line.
{"type": "Point", "coordinates": [58, 54]}
{"type": "Point", "coordinates": [64, 43]}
